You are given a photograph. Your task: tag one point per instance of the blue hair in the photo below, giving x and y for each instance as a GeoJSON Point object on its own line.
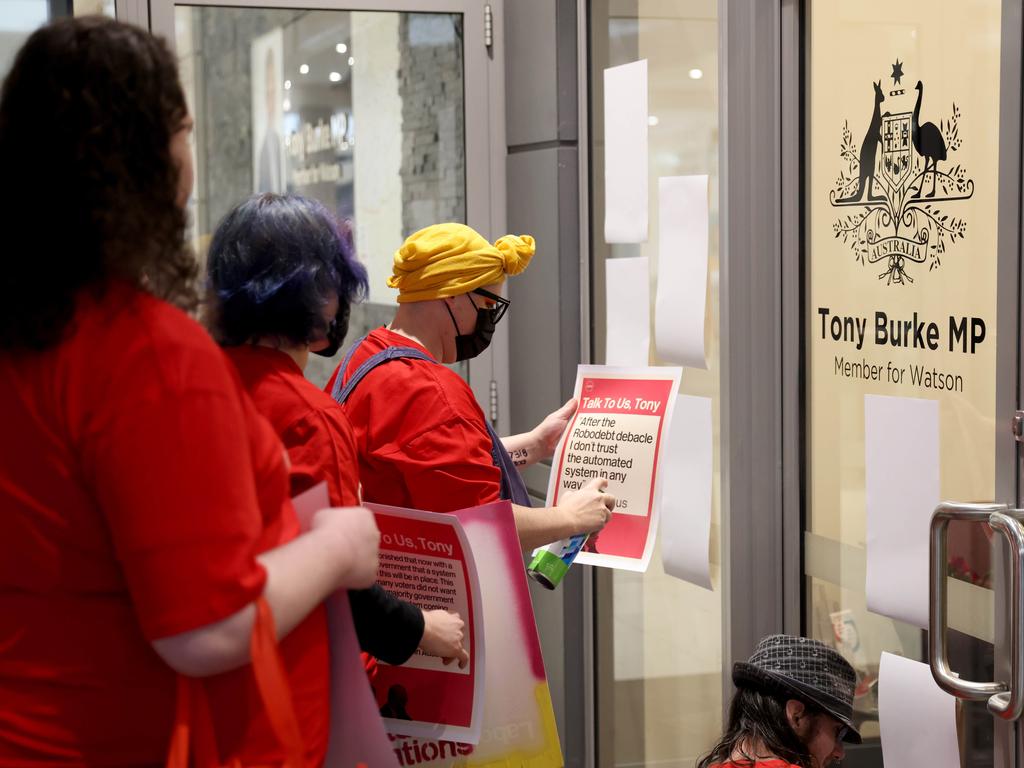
{"type": "Point", "coordinates": [274, 263]}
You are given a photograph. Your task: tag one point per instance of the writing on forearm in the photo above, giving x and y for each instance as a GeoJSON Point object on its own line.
{"type": "Point", "coordinates": [520, 456]}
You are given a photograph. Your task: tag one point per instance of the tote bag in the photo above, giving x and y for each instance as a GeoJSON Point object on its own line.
{"type": "Point", "coordinates": [193, 724]}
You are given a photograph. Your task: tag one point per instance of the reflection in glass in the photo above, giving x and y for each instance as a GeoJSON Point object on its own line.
{"type": "Point", "coordinates": [285, 102]}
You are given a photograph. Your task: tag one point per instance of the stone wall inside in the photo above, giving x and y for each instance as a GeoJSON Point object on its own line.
{"type": "Point", "coordinates": [433, 120]}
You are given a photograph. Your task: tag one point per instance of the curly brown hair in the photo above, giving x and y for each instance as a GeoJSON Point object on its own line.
{"type": "Point", "coordinates": [89, 187]}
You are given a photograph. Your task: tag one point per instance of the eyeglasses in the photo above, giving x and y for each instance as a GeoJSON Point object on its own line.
{"type": "Point", "coordinates": [500, 306]}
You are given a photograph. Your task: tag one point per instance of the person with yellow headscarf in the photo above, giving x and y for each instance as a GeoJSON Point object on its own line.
{"type": "Point", "coordinates": [423, 441]}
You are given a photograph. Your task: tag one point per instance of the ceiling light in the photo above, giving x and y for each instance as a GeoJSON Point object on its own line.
{"type": "Point", "coordinates": [341, 48]}
{"type": "Point", "coordinates": [304, 69]}
{"type": "Point", "coordinates": [696, 74]}
{"type": "Point", "coordinates": [287, 85]}
{"type": "Point", "coordinates": [652, 120]}
{"type": "Point", "coordinates": [351, 61]}
{"type": "Point", "coordinates": [334, 77]}
{"type": "Point", "coordinates": [287, 105]}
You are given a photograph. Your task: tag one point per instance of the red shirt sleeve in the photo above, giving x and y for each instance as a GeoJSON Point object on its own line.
{"type": "Point", "coordinates": [172, 464]}
{"type": "Point", "coordinates": [321, 447]}
{"type": "Point", "coordinates": [450, 467]}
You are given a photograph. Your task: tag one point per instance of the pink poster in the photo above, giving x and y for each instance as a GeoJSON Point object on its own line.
{"type": "Point", "coordinates": [518, 721]}
{"type": "Point", "coordinates": [425, 559]}
{"type": "Point", "coordinates": [618, 433]}
{"type": "Point", "coordinates": [357, 736]}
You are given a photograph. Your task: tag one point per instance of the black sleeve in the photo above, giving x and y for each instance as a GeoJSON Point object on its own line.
{"type": "Point", "coordinates": [388, 628]}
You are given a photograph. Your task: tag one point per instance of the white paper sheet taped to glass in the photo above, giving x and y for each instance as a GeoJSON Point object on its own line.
{"type": "Point", "coordinates": [917, 719]}
{"type": "Point", "coordinates": [685, 492]}
{"type": "Point", "coordinates": [625, 153]}
{"type": "Point", "coordinates": [901, 461]}
{"type": "Point", "coordinates": [682, 270]}
{"type": "Point", "coordinates": [627, 312]}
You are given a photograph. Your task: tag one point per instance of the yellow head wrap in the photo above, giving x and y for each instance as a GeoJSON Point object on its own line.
{"type": "Point", "coordinates": [451, 259]}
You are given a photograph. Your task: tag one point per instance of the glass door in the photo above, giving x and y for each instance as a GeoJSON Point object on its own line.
{"type": "Point", "coordinates": [383, 112]}
{"type": "Point", "coordinates": [912, 224]}
{"type": "Point", "coordinates": [659, 672]}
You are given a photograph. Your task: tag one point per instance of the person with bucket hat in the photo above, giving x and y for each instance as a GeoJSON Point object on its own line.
{"type": "Point", "coordinates": [793, 708]}
{"type": "Point", "coordinates": [422, 439]}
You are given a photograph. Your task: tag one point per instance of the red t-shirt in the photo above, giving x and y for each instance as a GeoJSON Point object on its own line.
{"type": "Point", "coordinates": [137, 486]}
{"type": "Point", "coordinates": [317, 436]}
{"type": "Point", "coordinates": [421, 436]}
{"type": "Point", "coordinates": [759, 764]}
{"type": "Point", "coordinates": [315, 431]}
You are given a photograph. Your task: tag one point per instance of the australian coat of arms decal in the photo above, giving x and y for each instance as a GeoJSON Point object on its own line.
{"type": "Point", "coordinates": [894, 184]}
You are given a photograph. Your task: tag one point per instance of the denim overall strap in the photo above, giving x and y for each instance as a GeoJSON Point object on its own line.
{"type": "Point", "coordinates": [341, 393]}
{"type": "Point", "coordinates": [336, 389]}
{"type": "Point", "coordinates": [512, 486]}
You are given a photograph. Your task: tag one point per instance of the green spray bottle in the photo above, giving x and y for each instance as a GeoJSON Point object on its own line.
{"type": "Point", "coordinates": [552, 562]}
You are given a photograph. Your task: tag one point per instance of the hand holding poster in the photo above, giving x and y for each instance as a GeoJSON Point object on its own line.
{"type": "Point", "coordinates": [425, 559]}
{"type": "Point", "coordinates": [618, 433]}
{"type": "Point", "coordinates": [518, 721]}
{"type": "Point", "coordinates": [357, 734]}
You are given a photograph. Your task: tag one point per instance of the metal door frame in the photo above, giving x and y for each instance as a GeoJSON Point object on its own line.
{"type": "Point", "coordinates": [1009, 751]}
{"type": "Point", "coordinates": [1009, 392]}
{"type": "Point", "coordinates": [761, 294]}
{"type": "Point", "coordinates": [484, 131]}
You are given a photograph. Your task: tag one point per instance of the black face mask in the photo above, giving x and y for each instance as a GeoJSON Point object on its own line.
{"type": "Point", "coordinates": [336, 333]}
{"type": "Point", "coordinates": [468, 346]}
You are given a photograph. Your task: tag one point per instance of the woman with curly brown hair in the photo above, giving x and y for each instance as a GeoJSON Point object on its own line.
{"type": "Point", "coordinates": [145, 526]}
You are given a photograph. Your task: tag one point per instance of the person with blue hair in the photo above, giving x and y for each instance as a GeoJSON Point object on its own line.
{"type": "Point", "coordinates": [282, 277]}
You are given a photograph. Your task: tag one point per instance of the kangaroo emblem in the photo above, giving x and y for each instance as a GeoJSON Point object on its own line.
{"type": "Point", "coordinates": [868, 150]}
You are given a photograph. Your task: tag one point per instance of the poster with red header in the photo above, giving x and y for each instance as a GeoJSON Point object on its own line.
{"type": "Point", "coordinates": [518, 721]}
{"type": "Point", "coordinates": [618, 433]}
{"type": "Point", "coordinates": [426, 559]}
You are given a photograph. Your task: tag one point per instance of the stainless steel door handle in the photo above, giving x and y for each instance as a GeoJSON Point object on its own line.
{"type": "Point", "coordinates": [1010, 705]}
{"type": "Point", "coordinates": [1002, 701]}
